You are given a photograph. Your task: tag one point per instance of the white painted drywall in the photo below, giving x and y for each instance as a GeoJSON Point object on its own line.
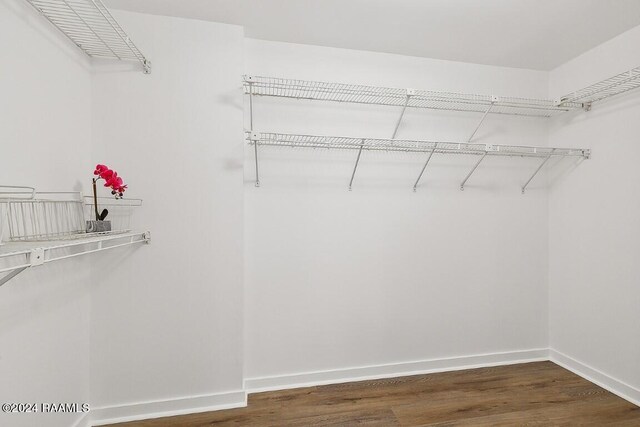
{"type": "Point", "coordinates": [594, 221]}
{"type": "Point", "coordinates": [167, 318]}
{"type": "Point", "coordinates": [523, 33]}
{"type": "Point", "coordinates": [379, 275]}
{"type": "Point", "coordinates": [332, 279]}
{"type": "Point", "coordinates": [44, 142]}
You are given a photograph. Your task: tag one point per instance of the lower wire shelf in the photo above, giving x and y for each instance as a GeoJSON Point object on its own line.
{"type": "Point", "coordinates": [411, 146]}
{"type": "Point", "coordinates": [15, 257]}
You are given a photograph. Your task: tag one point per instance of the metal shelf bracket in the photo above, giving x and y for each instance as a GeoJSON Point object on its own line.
{"type": "Point", "coordinates": [472, 170]}
{"type": "Point", "coordinates": [410, 93]}
{"type": "Point", "coordinates": [546, 159]}
{"type": "Point", "coordinates": [146, 66]}
{"type": "Point", "coordinates": [11, 275]}
{"type": "Point", "coordinates": [494, 99]}
{"type": "Point", "coordinates": [36, 256]}
{"type": "Point", "coordinates": [415, 185]}
{"type": "Point", "coordinates": [353, 174]}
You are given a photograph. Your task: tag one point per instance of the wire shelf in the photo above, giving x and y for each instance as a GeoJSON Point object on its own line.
{"type": "Point", "coordinates": [27, 215]}
{"type": "Point", "coordinates": [44, 219]}
{"type": "Point", "coordinates": [361, 94]}
{"type": "Point", "coordinates": [411, 146]}
{"type": "Point", "coordinates": [16, 257]}
{"type": "Point", "coordinates": [89, 25]}
{"type": "Point", "coordinates": [612, 86]}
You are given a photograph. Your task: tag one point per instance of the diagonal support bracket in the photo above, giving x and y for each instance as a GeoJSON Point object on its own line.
{"type": "Point", "coordinates": [410, 93]}
{"type": "Point", "coordinates": [489, 148]}
{"type": "Point", "coordinates": [415, 185]}
{"type": "Point", "coordinates": [472, 171]}
{"type": "Point", "coordinates": [353, 174]}
{"type": "Point", "coordinates": [12, 274]}
{"type": "Point", "coordinates": [484, 116]}
{"type": "Point", "coordinates": [546, 159]}
{"type": "Point", "coordinates": [34, 258]}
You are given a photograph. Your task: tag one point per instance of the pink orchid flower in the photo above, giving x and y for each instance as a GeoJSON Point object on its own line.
{"type": "Point", "coordinates": [100, 169]}
{"type": "Point", "coordinates": [107, 174]}
{"type": "Point", "coordinates": [114, 182]}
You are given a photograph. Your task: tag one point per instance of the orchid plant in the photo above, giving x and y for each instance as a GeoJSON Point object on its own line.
{"type": "Point", "coordinates": [111, 180]}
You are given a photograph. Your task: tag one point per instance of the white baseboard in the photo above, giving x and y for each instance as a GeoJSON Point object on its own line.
{"type": "Point", "coordinates": [615, 386]}
{"type": "Point", "coordinates": [362, 373]}
{"type": "Point", "coordinates": [167, 408]}
{"type": "Point", "coordinates": [237, 399]}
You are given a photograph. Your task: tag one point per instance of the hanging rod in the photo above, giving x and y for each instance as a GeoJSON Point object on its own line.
{"type": "Point", "coordinates": [90, 26]}
{"type": "Point", "coordinates": [409, 145]}
{"type": "Point", "coordinates": [361, 94]}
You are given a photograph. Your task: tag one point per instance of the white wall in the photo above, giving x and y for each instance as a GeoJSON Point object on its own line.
{"type": "Point", "coordinates": [382, 275]}
{"type": "Point", "coordinates": [594, 225]}
{"type": "Point", "coordinates": [167, 319]}
{"type": "Point", "coordinates": [44, 142]}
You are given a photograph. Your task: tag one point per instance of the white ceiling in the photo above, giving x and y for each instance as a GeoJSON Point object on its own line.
{"type": "Point", "coordinates": [536, 34]}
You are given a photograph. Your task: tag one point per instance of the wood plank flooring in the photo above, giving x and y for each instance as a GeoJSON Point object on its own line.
{"type": "Point", "coordinates": [530, 394]}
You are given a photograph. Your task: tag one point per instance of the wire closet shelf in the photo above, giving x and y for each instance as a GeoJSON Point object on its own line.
{"type": "Point", "coordinates": [362, 94]}
{"type": "Point", "coordinates": [27, 215]}
{"type": "Point", "coordinates": [409, 145]}
{"type": "Point", "coordinates": [42, 227]}
{"type": "Point", "coordinates": [612, 86]}
{"type": "Point", "coordinates": [90, 26]}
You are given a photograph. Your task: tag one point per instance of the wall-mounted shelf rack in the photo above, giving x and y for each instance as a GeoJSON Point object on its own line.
{"type": "Point", "coordinates": [415, 146]}
{"type": "Point", "coordinates": [30, 215]}
{"type": "Point", "coordinates": [90, 26]}
{"type": "Point", "coordinates": [15, 257]}
{"type": "Point", "coordinates": [46, 226]}
{"type": "Point", "coordinates": [406, 98]}
{"type": "Point", "coordinates": [414, 98]}
{"type": "Point", "coordinates": [604, 89]}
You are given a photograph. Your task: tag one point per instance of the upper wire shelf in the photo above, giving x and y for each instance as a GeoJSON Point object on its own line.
{"type": "Point", "coordinates": [89, 25]}
{"type": "Point", "coordinates": [411, 146]}
{"type": "Point", "coordinates": [612, 86]}
{"type": "Point", "coordinates": [361, 94]}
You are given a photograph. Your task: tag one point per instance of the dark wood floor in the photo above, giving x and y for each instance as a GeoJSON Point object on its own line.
{"type": "Point", "coordinates": [531, 394]}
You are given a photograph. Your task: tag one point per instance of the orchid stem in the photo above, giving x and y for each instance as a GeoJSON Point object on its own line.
{"type": "Point", "coordinates": [95, 200]}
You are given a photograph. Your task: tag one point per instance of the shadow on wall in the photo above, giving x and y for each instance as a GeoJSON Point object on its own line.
{"type": "Point", "coordinates": [41, 290]}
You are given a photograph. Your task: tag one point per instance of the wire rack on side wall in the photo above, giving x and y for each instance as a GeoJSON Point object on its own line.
{"type": "Point", "coordinates": [27, 215]}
